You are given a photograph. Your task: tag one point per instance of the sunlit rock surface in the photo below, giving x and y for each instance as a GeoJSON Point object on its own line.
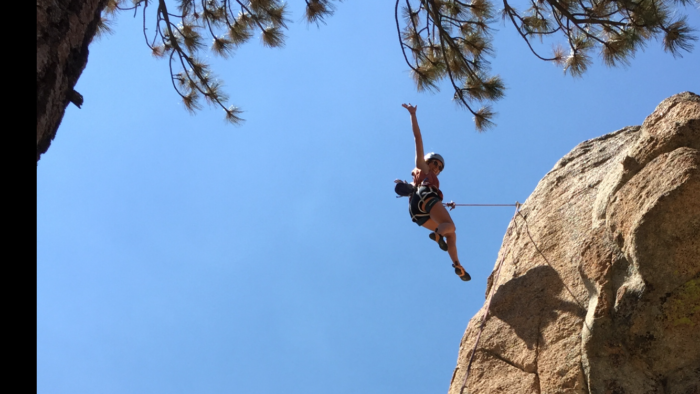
{"type": "Point", "coordinates": [617, 309]}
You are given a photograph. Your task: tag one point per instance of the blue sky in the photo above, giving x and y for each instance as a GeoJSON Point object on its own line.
{"type": "Point", "coordinates": [179, 254]}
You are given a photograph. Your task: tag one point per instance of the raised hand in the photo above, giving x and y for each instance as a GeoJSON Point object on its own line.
{"type": "Point", "coordinates": [411, 109]}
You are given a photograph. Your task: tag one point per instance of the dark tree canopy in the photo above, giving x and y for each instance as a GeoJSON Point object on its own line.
{"type": "Point", "coordinates": [185, 27]}
{"type": "Point", "coordinates": [440, 39]}
{"type": "Point", "coordinates": [450, 38]}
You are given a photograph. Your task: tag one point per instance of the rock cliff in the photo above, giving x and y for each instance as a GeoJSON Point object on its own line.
{"type": "Point", "coordinates": [599, 288]}
{"type": "Point", "coordinates": [64, 30]}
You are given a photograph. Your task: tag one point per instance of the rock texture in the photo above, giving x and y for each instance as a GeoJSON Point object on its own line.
{"type": "Point", "coordinates": [610, 304]}
{"type": "Point", "coordinates": [64, 29]}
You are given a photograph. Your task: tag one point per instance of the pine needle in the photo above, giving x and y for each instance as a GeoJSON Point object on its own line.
{"type": "Point", "coordinates": [181, 79]}
{"type": "Point", "coordinates": [213, 93]}
{"type": "Point", "coordinates": [483, 119]}
{"type": "Point", "coordinates": [272, 37]}
{"type": "Point", "coordinates": [318, 10]}
{"type": "Point", "coordinates": [239, 33]}
{"type": "Point", "coordinates": [427, 74]}
{"type": "Point", "coordinates": [158, 51]}
{"type": "Point", "coordinates": [577, 63]}
{"type": "Point", "coordinates": [222, 47]}
{"type": "Point", "coordinates": [191, 38]}
{"type": "Point", "coordinates": [232, 115]}
{"type": "Point", "coordinates": [278, 16]}
{"type": "Point", "coordinates": [104, 27]}
{"type": "Point", "coordinates": [112, 6]}
{"type": "Point", "coordinates": [191, 102]}
{"type": "Point", "coordinates": [558, 56]}
{"type": "Point", "coordinates": [679, 37]}
{"type": "Point", "coordinates": [482, 9]}
{"type": "Point", "coordinates": [259, 6]}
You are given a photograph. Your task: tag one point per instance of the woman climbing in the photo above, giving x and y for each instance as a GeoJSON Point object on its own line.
{"type": "Point", "coordinates": [425, 204]}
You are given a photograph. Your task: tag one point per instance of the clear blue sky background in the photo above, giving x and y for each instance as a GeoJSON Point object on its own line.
{"type": "Point", "coordinates": [178, 254]}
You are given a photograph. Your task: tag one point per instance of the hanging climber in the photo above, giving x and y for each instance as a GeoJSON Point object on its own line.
{"type": "Point", "coordinates": [425, 198]}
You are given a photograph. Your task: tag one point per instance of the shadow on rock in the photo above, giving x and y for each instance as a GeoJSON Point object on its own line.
{"type": "Point", "coordinates": [530, 302]}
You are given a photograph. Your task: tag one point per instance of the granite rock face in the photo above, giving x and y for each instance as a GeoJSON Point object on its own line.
{"type": "Point", "coordinates": [599, 291]}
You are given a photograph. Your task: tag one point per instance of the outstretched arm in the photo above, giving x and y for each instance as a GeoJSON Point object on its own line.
{"type": "Point", "coordinates": [420, 161]}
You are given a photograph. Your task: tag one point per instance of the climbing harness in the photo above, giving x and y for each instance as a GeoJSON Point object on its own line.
{"type": "Point", "coordinates": [421, 202]}
{"type": "Point", "coordinates": [421, 198]}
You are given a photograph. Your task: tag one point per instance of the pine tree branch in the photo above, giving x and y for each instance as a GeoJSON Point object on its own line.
{"type": "Point", "coordinates": [510, 12]}
{"type": "Point", "coordinates": [398, 30]}
{"type": "Point", "coordinates": [172, 75]}
{"type": "Point", "coordinates": [458, 91]}
{"type": "Point", "coordinates": [255, 19]}
{"type": "Point", "coordinates": [444, 36]}
{"type": "Point", "coordinates": [181, 54]}
{"type": "Point", "coordinates": [145, 36]}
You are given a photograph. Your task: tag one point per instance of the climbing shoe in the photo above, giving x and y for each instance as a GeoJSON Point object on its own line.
{"type": "Point", "coordinates": [459, 270]}
{"type": "Point", "coordinates": [441, 240]}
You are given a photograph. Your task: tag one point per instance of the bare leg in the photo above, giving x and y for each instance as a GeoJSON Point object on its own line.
{"type": "Point", "coordinates": [441, 222]}
{"type": "Point", "coordinates": [445, 228]}
{"type": "Point", "coordinates": [440, 219]}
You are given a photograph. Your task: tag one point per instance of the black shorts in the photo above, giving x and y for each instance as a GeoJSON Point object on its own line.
{"type": "Point", "coordinates": [422, 194]}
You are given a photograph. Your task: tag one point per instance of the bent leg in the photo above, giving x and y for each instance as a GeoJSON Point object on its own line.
{"type": "Point", "coordinates": [430, 225]}
{"type": "Point", "coordinates": [441, 222]}
{"type": "Point", "coordinates": [446, 227]}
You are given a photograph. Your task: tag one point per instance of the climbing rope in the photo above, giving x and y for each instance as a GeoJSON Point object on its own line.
{"type": "Point", "coordinates": [452, 205]}
{"type": "Point", "coordinates": [488, 304]}
{"type": "Point", "coordinates": [495, 280]}
{"type": "Point", "coordinates": [527, 230]}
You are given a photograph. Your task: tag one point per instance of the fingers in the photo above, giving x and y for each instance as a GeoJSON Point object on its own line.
{"type": "Point", "coordinates": [411, 108]}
